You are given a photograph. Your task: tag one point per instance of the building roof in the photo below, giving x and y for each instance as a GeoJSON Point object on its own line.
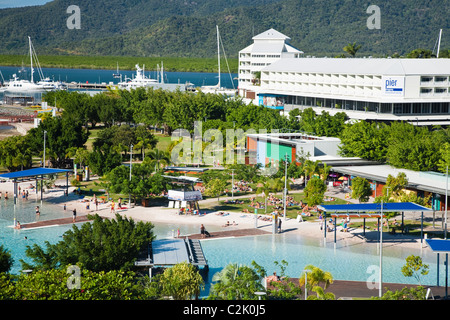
{"type": "Point", "coordinates": [271, 34]}
{"type": "Point", "coordinates": [32, 173]}
{"type": "Point", "coordinates": [373, 207]}
{"type": "Point", "coordinates": [419, 180]}
{"type": "Point", "coordinates": [364, 66]}
{"type": "Point", "coordinates": [439, 245]}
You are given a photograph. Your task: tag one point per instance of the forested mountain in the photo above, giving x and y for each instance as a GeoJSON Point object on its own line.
{"type": "Point", "coordinates": [187, 28]}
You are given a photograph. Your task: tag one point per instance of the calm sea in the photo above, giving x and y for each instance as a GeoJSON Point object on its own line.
{"type": "Point", "coordinates": [100, 76]}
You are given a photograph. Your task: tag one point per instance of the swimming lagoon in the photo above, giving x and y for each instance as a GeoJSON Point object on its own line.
{"type": "Point", "coordinates": [345, 261]}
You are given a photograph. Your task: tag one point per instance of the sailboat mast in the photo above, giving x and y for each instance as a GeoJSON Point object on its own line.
{"type": "Point", "coordinates": [439, 43]}
{"type": "Point", "coordinates": [218, 53]}
{"type": "Point", "coordinates": [31, 58]}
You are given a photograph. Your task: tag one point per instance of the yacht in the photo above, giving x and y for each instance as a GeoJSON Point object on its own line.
{"type": "Point", "coordinates": [218, 89]}
{"type": "Point", "coordinates": [51, 84]}
{"type": "Point", "coordinates": [25, 85]}
{"type": "Point", "coordinates": [141, 81]}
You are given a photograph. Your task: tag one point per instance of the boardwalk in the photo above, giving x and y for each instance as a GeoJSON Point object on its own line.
{"type": "Point", "coordinates": [53, 222]}
{"type": "Point", "coordinates": [359, 289]}
{"type": "Point", "coordinates": [231, 233]}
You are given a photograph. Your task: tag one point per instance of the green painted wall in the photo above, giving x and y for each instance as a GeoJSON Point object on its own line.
{"type": "Point", "coordinates": [278, 152]}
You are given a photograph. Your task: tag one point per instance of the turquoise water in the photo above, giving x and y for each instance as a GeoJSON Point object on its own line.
{"type": "Point", "coordinates": [345, 262]}
{"type": "Point", "coordinates": [16, 241]}
{"type": "Point", "coordinates": [349, 262]}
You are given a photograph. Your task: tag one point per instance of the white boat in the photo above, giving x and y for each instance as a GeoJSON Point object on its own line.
{"type": "Point", "coordinates": [218, 89]}
{"type": "Point", "coordinates": [24, 85]}
{"type": "Point", "coordinates": [52, 85]}
{"type": "Point", "coordinates": [141, 81]}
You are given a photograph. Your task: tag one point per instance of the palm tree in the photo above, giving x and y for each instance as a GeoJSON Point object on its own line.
{"type": "Point", "coordinates": [312, 168]}
{"type": "Point", "coordinates": [227, 274]}
{"type": "Point", "coordinates": [321, 294]}
{"type": "Point", "coordinates": [324, 171]}
{"type": "Point", "coordinates": [352, 49]}
{"type": "Point", "coordinates": [316, 276]}
{"type": "Point", "coordinates": [158, 158]}
{"type": "Point", "coordinates": [142, 144]}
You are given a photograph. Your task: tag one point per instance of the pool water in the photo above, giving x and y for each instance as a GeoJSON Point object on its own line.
{"type": "Point", "coordinates": [345, 261]}
{"type": "Point", "coordinates": [349, 262]}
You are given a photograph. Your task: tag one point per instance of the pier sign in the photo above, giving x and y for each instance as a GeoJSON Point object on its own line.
{"type": "Point", "coordinates": [393, 86]}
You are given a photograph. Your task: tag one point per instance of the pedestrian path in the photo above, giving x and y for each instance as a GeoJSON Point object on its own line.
{"type": "Point", "coordinates": [53, 222]}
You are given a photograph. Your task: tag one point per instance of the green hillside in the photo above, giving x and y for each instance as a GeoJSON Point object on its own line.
{"type": "Point", "coordinates": [181, 28]}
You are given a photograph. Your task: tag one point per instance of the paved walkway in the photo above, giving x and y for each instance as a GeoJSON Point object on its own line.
{"type": "Point", "coordinates": [231, 233]}
{"type": "Point", "coordinates": [359, 289]}
{"type": "Point", "coordinates": [53, 222]}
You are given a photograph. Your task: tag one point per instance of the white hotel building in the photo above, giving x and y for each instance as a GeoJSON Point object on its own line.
{"type": "Point", "coordinates": [413, 90]}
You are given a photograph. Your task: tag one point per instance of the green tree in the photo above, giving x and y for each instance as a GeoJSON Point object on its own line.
{"type": "Point", "coordinates": [284, 289]}
{"type": "Point", "coordinates": [62, 133]}
{"type": "Point", "coordinates": [6, 260]}
{"type": "Point", "coordinates": [321, 294]}
{"type": "Point", "coordinates": [444, 160]}
{"type": "Point", "coordinates": [53, 285]}
{"type": "Point", "coordinates": [415, 267]}
{"type": "Point", "coordinates": [406, 293]}
{"type": "Point", "coordinates": [182, 282]}
{"type": "Point", "coordinates": [414, 148]}
{"type": "Point", "coordinates": [315, 191]}
{"type": "Point", "coordinates": [158, 159]}
{"type": "Point", "coordinates": [316, 276]}
{"type": "Point", "coordinates": [352, 49]}
{"type": "Point", "coordinates": [361, 189]}
{"type": "Point", "coordinates": [215, 187]}
{"type": "Point", "coordinates": [237, 282]}
{"type": "Point", "coordinates": [365, 140]}
{"type": "Point", "coordinates": [420, 53]}
{"type": "Point", "coordinates": [100, 245]}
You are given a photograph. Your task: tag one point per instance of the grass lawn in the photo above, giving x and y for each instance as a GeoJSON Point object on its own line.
{"type": "Point", "coordinates": [163, 142]}
{"type": "Point", "coordinates": [291, 211]}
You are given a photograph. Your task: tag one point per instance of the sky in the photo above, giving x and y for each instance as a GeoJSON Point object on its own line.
{"type": "Point", "coordinates": [21, 3]}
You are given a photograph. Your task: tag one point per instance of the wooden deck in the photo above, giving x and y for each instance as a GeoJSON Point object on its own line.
{"type": "Point", "coordinates": [53, 222]}
{"type": "Point", "coordinates": [231, 233]}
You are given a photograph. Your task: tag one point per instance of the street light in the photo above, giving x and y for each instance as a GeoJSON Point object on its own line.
{"type": "Point", "coordinates": [306, 282]}
{"type": "Point", "coordinates": [380, 289]}
{"type": "Point", "coordinates": [232, 184]}
{"type": "Point", "coordinates": [45, 133]}
{"type": "Point", "coordinates": [131, 158]}
{"type": "Point", "coordinates": [285, 186]}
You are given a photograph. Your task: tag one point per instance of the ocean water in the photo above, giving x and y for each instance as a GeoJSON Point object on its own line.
{"type": "Point", "coordinates": [100, 76]}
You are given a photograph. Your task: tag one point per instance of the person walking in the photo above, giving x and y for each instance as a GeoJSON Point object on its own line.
{"type": "Point", "coordinates": [202, 231]}
{"type": "Point", "coordinates": [74, 215]}
{"type": "Point", "coordinates": [321, 221]}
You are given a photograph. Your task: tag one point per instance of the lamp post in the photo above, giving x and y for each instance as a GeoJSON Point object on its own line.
{"type": "Point", "coordinates": [45, 133]}
{"type": "Point", "coordinates": [232, 184]}
{"type": "Point", "coordinates": [446, 196]}
{"type": "Point", "coordinates": [285, 186]}
{"type": "Point", "coordinates": [306, 282]}
{"type": "Point", "coordinates": [380, 289]}
{"type": "Point", "coordinates": [131, 158]}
